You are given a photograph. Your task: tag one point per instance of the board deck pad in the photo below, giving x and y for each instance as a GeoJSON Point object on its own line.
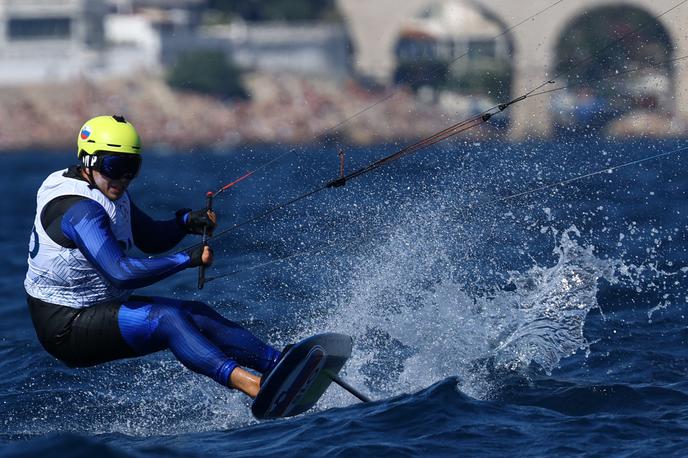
{"type": "Point", "coordinates": [302, 376]}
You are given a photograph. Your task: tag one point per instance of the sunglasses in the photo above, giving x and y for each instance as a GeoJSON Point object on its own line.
{"type": "Point", "coordinates": [119, 166]}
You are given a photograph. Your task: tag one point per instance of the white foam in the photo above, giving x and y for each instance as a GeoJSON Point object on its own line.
{"type": "Point", "coordinates": [417, 314]}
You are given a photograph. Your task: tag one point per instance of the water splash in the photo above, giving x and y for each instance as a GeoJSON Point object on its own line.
{"type": "Point", "coordinates": [419, 313]}
{"type": "Point", "coordinates": [136, 397]}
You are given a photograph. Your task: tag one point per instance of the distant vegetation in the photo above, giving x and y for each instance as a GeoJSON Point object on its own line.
{"type": "Point", "coordinates": [277, 10]}
{"type": "Point", "coordinates": [207, 72]}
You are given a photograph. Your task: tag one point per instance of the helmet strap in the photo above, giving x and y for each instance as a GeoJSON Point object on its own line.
{"type": "Point", "coordinates": [91, 180]}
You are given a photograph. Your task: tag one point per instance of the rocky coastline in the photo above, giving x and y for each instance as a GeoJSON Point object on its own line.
{"type": "Point", "coordinates": [282, 110]}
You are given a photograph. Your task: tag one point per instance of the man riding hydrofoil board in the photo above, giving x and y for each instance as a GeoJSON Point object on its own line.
{"type": "Point", "coordinates": [80, 277]}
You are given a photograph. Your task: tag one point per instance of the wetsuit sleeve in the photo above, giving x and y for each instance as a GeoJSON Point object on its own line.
{"type": "Point", "coordinates": [87, 225]}
{"type": "Point", "coordinates": [152, 236]}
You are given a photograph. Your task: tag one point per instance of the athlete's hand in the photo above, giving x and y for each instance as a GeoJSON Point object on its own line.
{"type": "Point", "coordinates": [195, 221]}
{"type": "Point", "coordinates": [207, 256]}
{"type": "Point", "coordinates": [200, 255]}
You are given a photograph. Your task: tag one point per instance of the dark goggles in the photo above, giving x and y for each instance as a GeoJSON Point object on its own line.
{"type": "Point", "coordinates": [119, 166]}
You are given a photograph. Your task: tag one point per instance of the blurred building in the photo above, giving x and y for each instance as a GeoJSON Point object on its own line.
{"type": "Point", "coordinates": [444, 53]}
{"type": "Point", "coordinates": [184, 13]}
{"type": "Point", "coordinates": [154, 33]}
{"type": "Point", "coordinates": [316, 49]}
{"type": "Point", "coordinates": [140, 33]}
{"type": "Point", "coordinates": [449, 30]}
{"type": "Point", "coordinates": [49, 39]}
{"type": "Point", "coordinates": [58, 40]}
{"type": "Point", "coordinates": [161, 36]}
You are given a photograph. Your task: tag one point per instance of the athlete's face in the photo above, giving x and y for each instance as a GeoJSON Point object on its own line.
{"type": "Point", "coordinates": [113, 189]}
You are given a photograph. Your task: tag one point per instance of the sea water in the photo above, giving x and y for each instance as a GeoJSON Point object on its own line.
{"type": "Point", "coordinates": [552, 323]}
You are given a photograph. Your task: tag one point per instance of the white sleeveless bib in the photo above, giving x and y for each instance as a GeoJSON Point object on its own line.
{"type": "Point", "coordinates": [63, 276]}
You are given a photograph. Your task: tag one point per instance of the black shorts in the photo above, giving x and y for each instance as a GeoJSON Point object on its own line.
{"type": "Point", "coordinates": [79, 337]}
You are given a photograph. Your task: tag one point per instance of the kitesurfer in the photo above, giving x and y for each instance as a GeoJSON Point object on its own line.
{"type": "Point", "coordinates": [80, 278]}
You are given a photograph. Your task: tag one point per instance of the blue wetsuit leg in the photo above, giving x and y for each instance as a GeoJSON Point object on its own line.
{"type": "Point", "coordinates": [199, 337]}
{"type": "Point", "coordinates": [231, 338]}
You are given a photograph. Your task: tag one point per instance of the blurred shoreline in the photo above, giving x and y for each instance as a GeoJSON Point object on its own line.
{"type": "Point", "coordinates": [283, 109]}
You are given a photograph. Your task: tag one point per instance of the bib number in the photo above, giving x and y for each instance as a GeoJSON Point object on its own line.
{"type": "Point", "coordinates": [33, 243]}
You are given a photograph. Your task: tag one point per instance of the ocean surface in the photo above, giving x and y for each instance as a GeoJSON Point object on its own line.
{"type": "Point", "coordinates": [486, 322]}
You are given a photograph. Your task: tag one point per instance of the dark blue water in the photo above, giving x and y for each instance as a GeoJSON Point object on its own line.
{"type": "Point", "coordinates": [548, 324]}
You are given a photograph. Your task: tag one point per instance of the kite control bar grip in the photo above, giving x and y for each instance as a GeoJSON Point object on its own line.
{"type": "Point", "coordinates": [201, 268]}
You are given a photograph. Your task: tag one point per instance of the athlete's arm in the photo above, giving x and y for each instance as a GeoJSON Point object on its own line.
{"type": "Point", "coordinates": [87, 225]}
{"type": "Point", "coordinates": [152, 236]}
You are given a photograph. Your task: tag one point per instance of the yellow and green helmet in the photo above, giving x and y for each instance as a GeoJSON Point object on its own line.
{"type": "Point", "coordinates": [108, 134]}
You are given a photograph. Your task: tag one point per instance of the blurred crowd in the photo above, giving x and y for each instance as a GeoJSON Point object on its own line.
{"type": "Point", "coordinates": [282, 109]}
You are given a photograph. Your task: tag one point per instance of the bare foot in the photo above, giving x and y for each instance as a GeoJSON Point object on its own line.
{"type": "Point", "coordinates": [245, 382]}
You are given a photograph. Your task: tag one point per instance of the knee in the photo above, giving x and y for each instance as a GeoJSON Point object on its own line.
{"type": "Point", "coordinates": [171, 314]}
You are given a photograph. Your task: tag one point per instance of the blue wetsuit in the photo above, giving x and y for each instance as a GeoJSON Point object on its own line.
{"type": "Point", "coordinates": [199, 337]}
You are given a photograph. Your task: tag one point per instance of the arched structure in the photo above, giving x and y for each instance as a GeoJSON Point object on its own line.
{"type": "Point", "coordinates": [374, 27]}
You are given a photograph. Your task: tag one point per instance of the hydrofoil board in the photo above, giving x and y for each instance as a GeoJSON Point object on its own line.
{"type": "Point", "coordinates": [302, 376]}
